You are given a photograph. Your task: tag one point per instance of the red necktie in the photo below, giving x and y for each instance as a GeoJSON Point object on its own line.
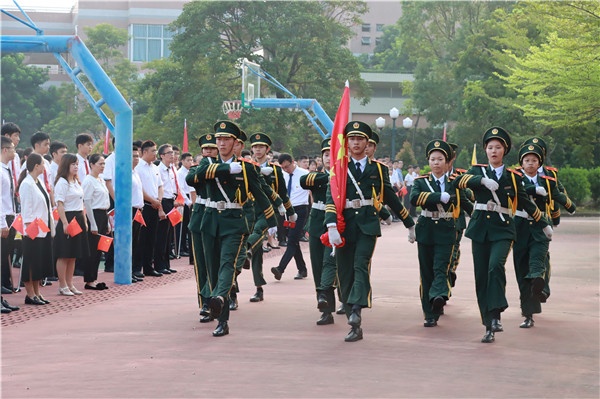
{"type": "Point", "coordinates": [14, 176]}
{"type": "Point", "coordinates": [87, 168]}
{"type": "Point", "coordinates": [46, 180]}
{"type": "Point", "coordinates": [176, 182]}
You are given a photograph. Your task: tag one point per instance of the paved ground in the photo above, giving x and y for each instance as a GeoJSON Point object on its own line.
{"type": "Point", "coordinates": [144, 340]}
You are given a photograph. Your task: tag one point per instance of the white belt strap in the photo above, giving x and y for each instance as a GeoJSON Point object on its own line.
{"type": "Point", "coordinates": [220, 187]}
{"type": "Point", "coordinates": [318, 205]}
{"type": "Point", "coordinates": [436, 215]}
{"type": "Point", "coordinates": [358, 203]}
{"type": "Point", "coordinates": [523, 214]}
{"type": "Point", "coordinates": [494, 195]}
{"type": "Point", "coordinates": [491, 206]}
{"type": "Point", "coordinates": [200, 200]}
{"type": "Point", "coordinates": [222, 205]}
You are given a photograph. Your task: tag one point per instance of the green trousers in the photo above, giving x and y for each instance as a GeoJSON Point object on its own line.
{"type": "Point", "coordinates": [353, 262]}
{"type": "Point", "coordinates": [202, 287]}
{"type": "Point", "coordinates": [489, 259]}
{"type": "Point", "coordinates": [530, 259]}
{"type": "Point", "coordinates": [455, 256]}
{"type": "Point", "coordinates": [434, 263]}
{"type": "Point", "coordinates": [323, 270]}
{"type": "Point", "coordinates": [255, 245]}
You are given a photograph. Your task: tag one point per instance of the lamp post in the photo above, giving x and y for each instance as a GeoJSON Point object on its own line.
{"type": "Point", "coordinates": [380, 123]}
{"type": "Point", "coordinates": [407, 124]}
{"type": "Point", "coordinates": [394, 113]}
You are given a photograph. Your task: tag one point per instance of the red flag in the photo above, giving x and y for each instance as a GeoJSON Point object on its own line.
{"type": "Point", "coordinates": [175, 217]}
{"type": "Point", "coordinates": [444, 136]}
{"type": "Point", "coordinates": [73, 228]}
{"type": "Point", "coordinates": [32, 230]}
{"type": "Point", "coordinates": [104, 243]}
{"type": "Point", "coordinates": [55, 215]}
{"type": "Point", "coordinates": [403, 191]}
{"type": "Point", "coordinates": [17, 224]}
{"type": "Point", "coordinates": [339, 158]}
{"type": "Point", "coordinates": [106, 139]}
{"type": "Point", "coordinates": [185, 136]}
{"type": "Point", "coordinates": [42, 226]}
{"type": "Point", "coordinates": [139, 218]}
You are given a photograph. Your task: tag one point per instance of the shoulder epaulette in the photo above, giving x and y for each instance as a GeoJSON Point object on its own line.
{"type": "Point", "coordinates": [248, 161]}
{"type": "Point", "coordinates": [515, 172]}
{"type": "Point", "coordinates": [552, 168]}
{"type": "Point", "coordinates": [421, 177]}
{"type": "Point", "coordinates": [374, 160]}
{"type": "Point", "coordinates": [459, 170]}
{"type": "Point", "coordinates": [548, 178]}
{"type": "Point", "coordinates": [485, 165]}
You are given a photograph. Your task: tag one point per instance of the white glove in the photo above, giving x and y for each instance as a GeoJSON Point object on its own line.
{"type": "Point", "coordinates": [267, 170]}
{"type": "Point", "coordinates": [541, 191]}
{"type": "Point", "coordinates": [334, 236]}
{"type": "Point", "coordinates": [293, 218]}
{"type": "Point", "coordinates": [281, 210]}
{"type": "Point", "coordinates": [445, 198]}
{"type": "Point", "coordinates": [388, 221]}
{"type": "Point", "coordinates": [235, 168]}
{"type": "Point", "coordinates": [411, 234]}
{"type": "Point", "coordinates": [548, 231]}
{"type": "Point", "coordinates": [490, 184]}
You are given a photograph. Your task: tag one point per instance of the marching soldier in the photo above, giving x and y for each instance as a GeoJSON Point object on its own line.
{"type": "Point", "coordinates": [229, 184]}
{"type": "Point", "coordinates": [436, 229]}
{"type": "Point", "coordinates": [323, 264]}
{"type": "Point", "coordinates": [498, 191]}
{"type": "Point", "coordinates": [367, 189]}
{"type": "Point", "coordinates": [208, 146]}
{"type": "Point", "coordinates": [530, 253]}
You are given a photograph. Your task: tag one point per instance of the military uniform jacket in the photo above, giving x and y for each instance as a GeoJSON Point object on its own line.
{"type": "Point", "coordinates": [466, 205]}
{"type": "Point", "coordinates": [197, 208]}
{"type": "Point", "coordinates": [426, 194]}
{"type": "Point", "coordinates": [277, 183]}
{"type": "Point", "coordinates": [365, 219]}
{"type": "Point", "coordinates": [238, 188]}
{"type": "Point", "coordinates": [317, 183]}
{"type": "Point", "coordinates": [493, 225]}
{"type": "Point", "coordinates": [267, 189]}
{"type": "Point", "coordinates": [569, 205]}
{"type": "Point", "coordinates": [548, 204]}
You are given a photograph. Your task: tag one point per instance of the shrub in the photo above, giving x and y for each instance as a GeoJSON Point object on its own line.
{"type": "Point", "coordinates": [576, 183]}
{"type": "Point", "coordinates": [594, 179]}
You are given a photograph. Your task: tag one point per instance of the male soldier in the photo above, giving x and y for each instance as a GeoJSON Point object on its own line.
{"type": "Point", "coordinates": [367, 188]}
{"type": "Point", "coordinates": [208, 145]}
{"type": "Point", "coordinates": [545, 170]}
{"type": "Point", "coordinates": [229, 184]}
{"type": "Point", "coordinates": [323, 264]}
{"type": "Point", "coordinates": [261, 144]}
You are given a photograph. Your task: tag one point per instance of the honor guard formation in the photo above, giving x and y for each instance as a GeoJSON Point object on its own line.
{"type": "Point", "coordinates": [227, 206]}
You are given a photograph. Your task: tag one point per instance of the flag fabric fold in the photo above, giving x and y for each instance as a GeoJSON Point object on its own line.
{"type": "Point", "coordinates": [139, 218]}
{"type": "Point", "coordinates": [17, 224]}
{"type": "Point", "coordinates": [474, 156]}
{"type": "Point", "coordinates": [42, 226]}
{"type": "Point", "coordinates": [32, 230]}
{"type": "Point", "coordinates": [444, 137]}
{"type": "Point", "coordinates": [104, 243]}
{"type": "Point", "coordinates": [106, 140]}
{"type": "Point", "coordinates": [175, 216]}
{"type": "Point", "coordinates": [55, 215]}
{"type": "Point", "coordinates": [73, 228]}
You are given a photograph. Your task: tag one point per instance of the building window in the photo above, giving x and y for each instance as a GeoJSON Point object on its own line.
{"type": "Point", "coordinates": [377, 41]}
{"type": "Point", "coordinates": [365, 41]}
{"type": "Point", "coordinates": [366, 27]}
{"type": "Point", "coordinates": [150, 42]}
{"type": "Point", "coordinates": [379, 27]}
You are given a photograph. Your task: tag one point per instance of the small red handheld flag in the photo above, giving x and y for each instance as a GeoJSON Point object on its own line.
{"type": "Point", "coordinates": [175, 216]}
{"type": "Point", "coordinates": [139, 218]}
{"type": "Point", "coordinates": [55, 215]}
{"type": "Point", "coordinates": [32, 230]}
{"type": "Point", "coordinates": [42, 226]}
{"type": "Point", "coordinates": [17, 224]}
{"type": "Point", "coordinates": [104, 243]}
{"type": "Point", "coordinates": [73, 228]}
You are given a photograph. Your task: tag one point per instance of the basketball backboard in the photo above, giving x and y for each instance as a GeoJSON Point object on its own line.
{"type": "Point", "coordinates": [251, 76]}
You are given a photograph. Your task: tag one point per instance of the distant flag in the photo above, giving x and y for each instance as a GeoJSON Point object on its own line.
{"type": "Point", "coordinates": [185, 136]}
{"type": "Point", "coordinates": [474, 157]}
{"type": "Point", "coordinates": [444, 136]}
{"type": "Point", "coordinates": [106, 140]}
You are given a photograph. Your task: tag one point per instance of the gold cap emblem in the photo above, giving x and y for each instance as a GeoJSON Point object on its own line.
{"type": "Point", "coordinates": [208, 137]}
{"type": "Point", "coordinates": [535, 140]}
{"type": "Point", "coordinates": [257, 136]}
{"type": "Point", "coordinates": [356, 125]}
{"type": "Point", "coordinates": [494, 131]}
{"type": "Point", "coordinates": [222, 125]}
{"type": "Point", "coordinates": [436, 144]}
{"type": "Point", "coordinates": [530, 148]}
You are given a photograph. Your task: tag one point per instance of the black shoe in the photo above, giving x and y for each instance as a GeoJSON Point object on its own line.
{"type": "Point", "coordinates": [301, 275]}
{"type": "Point", "coordinates": [452, 279]}
{"type": "Point", "coordinates": [246, 264]}
{"type": "Point", "coordinates": [164, 271]}
{"type": "Point", "coordinates": [233, 303]}
{"type": "Point", "coordinates": [527, 323]}
{"type": "Point", "coordinates": [5, 310]}
{"type": "Point", "coordinates": [109, 270]}
{"type": "Point", "coordinates": [17, 265]}
{"type": "Point", "coordinates": [430, 323]}
{"type": "Point", "coordinates": [6, 290]}
{"type": "Point", "coordinates": [52, 278]}
{"type": "Point", "coordinates": [354, 335]}
{"type": "Point", "coordinates": [437, 305]}
{"type": "Point", "coordinates": [354, 320]}
{"type": "Point", "coordinates": [266, 249]}
{"type": "Point", "coordinates": [205, 311]}
{"type": "Point", "coordinates": [216, 306]}
{"type": "Point", "coordinates": [283, 244]}
{"type": "Point", "coordinates": [206, 319]}
{"type": "Point", "coordinates": [221, 330]}
{"type": "Point", "coordinates": [33, 301]}
{"type": "Point", "coordinates": [303, 239]}
{"type": "Point", "coordinates": [537, 285]}
{"type": "Point", "coordinates": [41, 298]}
{"type": "Point", "coordinates": [341, 309]}
{"type": "Point", "coordinates": [184, 253]}
{"type": "Point", "coordinates": [258, 296]}
{"type": "Point", "coordinates": [496, 326]}
{"type": "Point", "coordinates": [138, 275]}
{"type": "Point", "coordinates": [13, 308]}
{"type": "Point", "coordinates": [276, 273]}
{"type": "Point", "coordinates": [172, 270]}
{"type": "Point", "coordinates": [322, 303]}
{"type": "Point", "coordinates": [152, 273]}
{"type": "Point", "coordinates": [488, 337]}
{"type": "Point", "coordinates": [326, 318]}
{"type": "Point", "coordinates": [172, 255]}
{"type": "Point", "coordinates": [134, 279]}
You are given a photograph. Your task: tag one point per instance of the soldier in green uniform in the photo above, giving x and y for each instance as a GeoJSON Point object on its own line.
{"type": "Point", "coordinates": [229, 184]}
{"type": "Point", "coordinates": [384, 214]}
{"type": "Point", "coordinates": [260, 144]}
{"type": "Point", "coordinates": [531, 247]}
{"type": "Point", "coordinates": [208, 145]}
{"type": "Point", "coordinates": [545, 170]}
{"type": "Point", "coordinates": [498, 191]}
{"type": "Point", "coordinates": [367, 189]}
{"type": "Point", "coordinates": [436, 232]}
{"type": "Point", "coordinates": [322, 262]}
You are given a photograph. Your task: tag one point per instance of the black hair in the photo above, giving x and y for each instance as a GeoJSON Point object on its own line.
{"type": "Point", "coordinates": [147, 144]}
{"type": "Point", "coordinates": [6, 142]}
{"type": "Point", "coordinates": [94, 158]}
{"type": "Point", "coordinates": [56, 145]}
{"type": "Point", "coordinates": [9, 128]}
{"type": "Point", "coordinates": [65, 166]}
{"type": "Point", "coordinates": [162, 148]}
{"type": "Point", "coordinates": [284, 156]}
{"type": "Point", "coordinates": [32, 160]}
{"type": "Point", "coordinates": [38, 137]}
{"type": "Point", "coordinates": [83, 138]}
{"type": "Point", "coordinates": [185, 155]}
{"type": "Point", "coordinates": [246, 152]}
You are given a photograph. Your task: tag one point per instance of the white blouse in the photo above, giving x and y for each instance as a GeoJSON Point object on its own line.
{"type": "Point", "coordinates": [95, 193]}
{"type": "Point", "coordinates": [70, 194]}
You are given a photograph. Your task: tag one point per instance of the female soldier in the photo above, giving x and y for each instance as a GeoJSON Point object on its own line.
{"type": "Point", "coordinates": [498, 190]}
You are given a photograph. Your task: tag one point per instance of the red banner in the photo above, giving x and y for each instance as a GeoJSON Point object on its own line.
{"type": "Point", "coordinates": [184, 147]}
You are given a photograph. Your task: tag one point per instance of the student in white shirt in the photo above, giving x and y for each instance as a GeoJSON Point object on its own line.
{"type": "Point", "coordinates": [85, 145]}
{"type": "Point", "coordinates": [137, 204]}
{"type": "Point", "coordinates": [68, 194]}
{"type": "Point", "coordinates": [97, 202]}
{"type": "Point", "coordinates": [189, 196]}
{"type": "Point", "coordinates": [57, 150]}
{"type": "Point", "coordinates": [7, 213]}
{"type": "Point", "coordinates": [40, 142]}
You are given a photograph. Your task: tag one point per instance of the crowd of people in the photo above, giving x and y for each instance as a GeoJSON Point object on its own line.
{"type": "Point", "coordinates": [241, 203]}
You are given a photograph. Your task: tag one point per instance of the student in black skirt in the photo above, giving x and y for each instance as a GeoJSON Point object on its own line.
{"type": "Point", "coordinates": [37, 251]}
{"type": "Point", "coordinates": [68, 195]}
{"type": "Point", "coordinates": [97, 202]}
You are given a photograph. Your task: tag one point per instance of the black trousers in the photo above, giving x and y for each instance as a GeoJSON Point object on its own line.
{"type": "Point", "coordinates": [164, 238]}
{"type": "Point", "coordinates": [293, 249]}
{"type": "Point", "coordinates": [91, 263]}
{"type": "Point", "coordinates": [147, 240]}
{"type": "Point", "coordinates": [182, 232]}
{"type": "Point", "coordinates": [6, 250]}
{"type": "Point", "coordinates": [136, 228]}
